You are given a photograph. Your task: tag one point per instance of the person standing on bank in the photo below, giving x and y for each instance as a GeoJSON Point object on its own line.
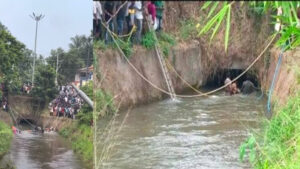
{"type": "Point", "coordinates": [109, 8]}
{"type": "Point", "coordinates": [159, 14]}
{"type": "Point", "coordinates": [151, 12]}
{"type": "Point", "coordinates": [97, 13]}
{"type": "Point", "coordinates": [139, 19]}
{"type": "Point", "coordinates": [121, 16]}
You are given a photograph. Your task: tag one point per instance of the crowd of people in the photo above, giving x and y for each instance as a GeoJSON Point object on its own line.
{"type": "Point", "coordinates": [67, 104]}
{"type": "Point", "coordinates": [122, 14]}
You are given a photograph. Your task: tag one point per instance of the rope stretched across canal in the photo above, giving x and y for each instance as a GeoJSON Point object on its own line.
{"type": "Point", "coordinates": [187, 96]}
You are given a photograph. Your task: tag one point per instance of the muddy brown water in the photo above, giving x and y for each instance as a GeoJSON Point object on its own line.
{"type": "Point", "coordinates": [43, 151]}
{"type": "Point", "coordinates": [193, 133]}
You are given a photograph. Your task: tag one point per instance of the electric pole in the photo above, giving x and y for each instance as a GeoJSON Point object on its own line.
{"type": "Point", "coordinates": [57, 55]}
{"type": "Point", "coordinates": [88, 57]}
{"type": "Point", "coordinates": [37, 18]}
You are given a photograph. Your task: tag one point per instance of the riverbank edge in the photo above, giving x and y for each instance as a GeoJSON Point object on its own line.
{"type": "Point", "coordinates": [81, 138]}
{"type": "Point", "coordinates": [6, 137]}
{"type": "Point", "coordinates": [278, 145]}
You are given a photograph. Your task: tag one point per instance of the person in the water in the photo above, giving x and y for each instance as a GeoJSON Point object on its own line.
{"type": "Point", "coordinates": [232, 87]}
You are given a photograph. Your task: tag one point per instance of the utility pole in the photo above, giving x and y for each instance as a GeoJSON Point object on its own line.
{"type": "Point", "coordinates": [88, 57]}
{"type": "Point", "coordinates": [37, 18]}
{"type": "Point", "coordinates": [57, 55]}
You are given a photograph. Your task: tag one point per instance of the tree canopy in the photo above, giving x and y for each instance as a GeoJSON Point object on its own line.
{"type": "Point", "coordinates": [79, 55]}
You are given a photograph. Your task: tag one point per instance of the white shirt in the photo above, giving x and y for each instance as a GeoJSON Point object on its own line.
{"type": "Point", "coordinates": [97, 9]}
{"type": "Point", "coordinates": [138, 14]}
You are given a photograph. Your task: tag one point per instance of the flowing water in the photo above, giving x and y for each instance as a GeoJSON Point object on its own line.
{"type": "Point", "coordinates": [193, 133]}
{"type": "Point", "coordinates": [43, 151]}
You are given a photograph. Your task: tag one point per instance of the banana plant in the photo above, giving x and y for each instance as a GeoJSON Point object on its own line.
{"type": "Point", "coordinates": [288, 19]}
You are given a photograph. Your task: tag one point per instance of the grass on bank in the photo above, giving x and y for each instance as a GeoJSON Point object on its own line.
{"type": "Point", "coordinates": [279, 146]}
{"type": "Point", "coordinates": [81, 137]}
{"type": "Point", "coordinates": [165, 40]}
{"type": "Point", "coordinates": [5, 138]}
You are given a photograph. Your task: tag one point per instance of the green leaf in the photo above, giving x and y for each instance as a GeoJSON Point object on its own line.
{"type": "Point", "coordinates": [217, 26]}
{"type": "Point", "coordinates": [212, 9]}
{"type": "Point", "coordinates": [212, 21]}
{"type": "Point", "coordinates": [206, 4]}
{"type": "Point", "coordinates": [227, 28]}
{"type": "Point", "coordinates": [252, 155]}
{"type": "Point", "coordinates": [294, 12]}
{"type": "Point", "coordinates": [243, 151]}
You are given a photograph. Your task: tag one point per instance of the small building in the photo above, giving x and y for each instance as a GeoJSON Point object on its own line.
{"type": "Point", "coordinates": [83, 75]}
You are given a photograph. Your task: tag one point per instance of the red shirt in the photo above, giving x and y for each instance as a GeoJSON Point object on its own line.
{"type": "Point", "coordinates": [152, 10]}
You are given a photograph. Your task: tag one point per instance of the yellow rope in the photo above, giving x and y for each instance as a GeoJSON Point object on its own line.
{"type": "Point", "coordinates": [190, 96]}
{"type": "Point", "coordinates": [177, 74]}
{"type": "Point", "coordinates": [129, 34]}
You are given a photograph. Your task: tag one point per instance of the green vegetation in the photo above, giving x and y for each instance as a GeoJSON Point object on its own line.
{"type": "Point", "coordinates": [45, 86]}
{"type": "Point", "coordinates": [85, 115]}
{"type": "Point", "coordinates": [188, 29]}
{"type": "Point", "coordinates": [11, 54]}
{"type": "Point", "coordinates": [148, 40]}
{"type": "Point", "coordinates": [166, 41]}
{"type": "Point", "coordinates": [104, 103]}
{"type": "Point", "coordinates": [5, 138]}
{"type": "Point", "coordinates": [99, 44]}
{"type": "Point", "coordinates": [126, 46]}
{"type": "Point", "coordinates": [80, 55]}
{"type": "Point", "coordinates": [81, 137]}
{"type": "Point", "coordinates": [279, 147]}
{"type": "Point", "coordinates": [288, 19]}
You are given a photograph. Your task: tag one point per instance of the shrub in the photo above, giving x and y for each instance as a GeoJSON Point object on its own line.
{"type": "Point", "coordinates": [5, 138]}
{"type": "Point", "coordinates": [100, 44]}
{"type": "Point", "coordinates": [280, 143]}
{"type": "Point", "coordinates": [166, 41]}
{"type": "Point", "coordinates": [148, 40]}
{"type": "Point", "coordinates": [104, 103]}
{"type": "Point", "coordinates": [81, 137]}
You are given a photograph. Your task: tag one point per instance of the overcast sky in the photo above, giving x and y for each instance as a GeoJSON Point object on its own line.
{"type": "Point", "coordinates": [63, 19]}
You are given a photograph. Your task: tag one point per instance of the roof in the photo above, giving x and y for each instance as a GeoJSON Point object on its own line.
{"type": "Point", "coordinates": [91, 68]}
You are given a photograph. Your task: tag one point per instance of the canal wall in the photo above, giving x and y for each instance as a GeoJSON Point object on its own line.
{"type": "Point", "coordinates": [52, 121]}
{"type": "Point", "coordinates": [287, 82]}
{"type": "Point", "coordinates": [195, 59]}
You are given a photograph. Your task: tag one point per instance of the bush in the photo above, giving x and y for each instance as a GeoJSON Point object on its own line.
{"type": "Point", "coordinates": [100, 44]}
{"type": "Point", "coordinates": [81, 137]}
{"type": "Point", "coordinates": [166, 41]}
{"type": "Point", "coordinates": [5, 138]}
{"type": "Point", "coordinates": [280, 143]}
{"type": "Point", "coordinates": [104, 103]}
{"type": "Point", "coordinates": [148, 40]}
{"type": "Point", "coordinates": [85, 115]}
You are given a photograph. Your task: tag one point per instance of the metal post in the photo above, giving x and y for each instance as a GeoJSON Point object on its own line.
{"type": "Point", "coordinates": [84, 96]}
{"type": "Point", "coordinates": [87, 61]}
{"type": "Point", "coordinates": [37, 19]}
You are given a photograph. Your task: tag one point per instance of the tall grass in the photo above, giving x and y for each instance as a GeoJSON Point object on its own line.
{"type": "Point", "coordinates": [5, 139]}
{"type": "Point", "coordinates": [279, 145]}
{"type": "Point", "coordinates": [81, 137]}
